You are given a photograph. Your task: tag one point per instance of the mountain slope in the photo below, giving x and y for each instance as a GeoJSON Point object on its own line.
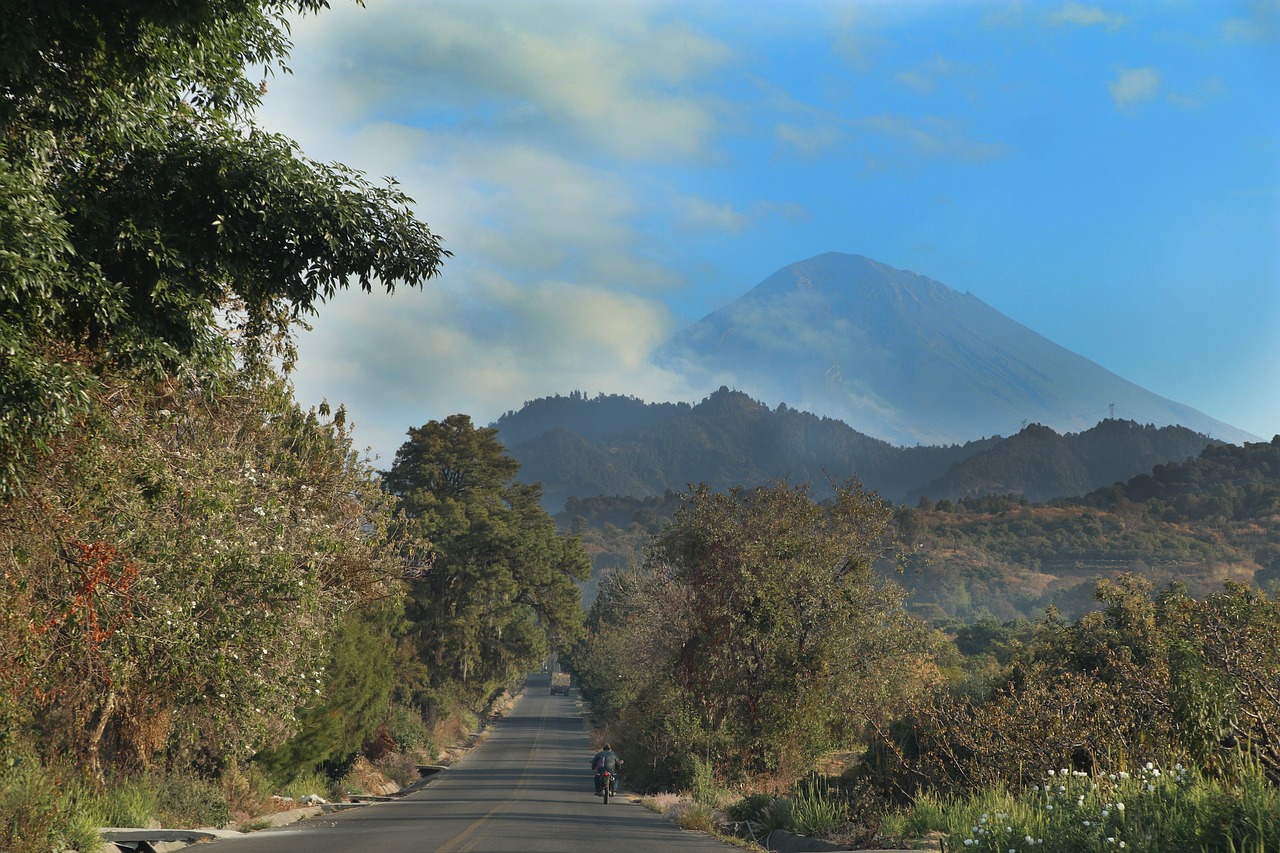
{"type": "Point", "coordinates": [1040, 465]}
{"type": "Point", "coordinates": [906, 359]}
{"type": "Point", "coordinates": [729, 440]}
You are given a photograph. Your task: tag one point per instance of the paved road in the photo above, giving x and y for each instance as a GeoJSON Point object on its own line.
{"type": "Point", "coordinates": [526, 789]}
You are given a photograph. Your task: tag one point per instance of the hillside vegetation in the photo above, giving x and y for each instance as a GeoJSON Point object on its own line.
{"type": "Point", "coordinates": [612, 445]}
{"type": "Point", "coordinates": [1203, 521]}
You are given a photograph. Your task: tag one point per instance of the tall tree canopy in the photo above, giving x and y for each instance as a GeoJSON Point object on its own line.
{"type": "Point", "coordinates": [755, 636]}
{"type": "Point", "coordinates": [140, 207]}
{"type": "Point", "coordinates": [501, 587]}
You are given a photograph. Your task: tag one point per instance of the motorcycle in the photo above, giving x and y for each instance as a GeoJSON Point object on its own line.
{"type": "Point", "coordinates": [606, 785]}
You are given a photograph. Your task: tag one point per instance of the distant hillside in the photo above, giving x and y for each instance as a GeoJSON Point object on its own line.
{"type": "Point", "coordinates": [1212, 518]}
{"type": "Point", "coordinates": [906, 359]}
{"type": "Point", "coordinates": [609, 445]}
{"type": "Point", "coordinates": [1040, 465]}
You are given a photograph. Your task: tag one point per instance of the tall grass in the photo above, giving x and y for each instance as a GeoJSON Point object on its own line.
{"type": "Point", "coordinates": [44, 808]}
{"type": "Point", "coordinates": [817, 807]}
{"type": "Point", "coordinates": [1148, 811]}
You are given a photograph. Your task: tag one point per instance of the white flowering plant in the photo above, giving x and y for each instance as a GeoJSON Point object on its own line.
{"type": "Point", "coordinates": [1150, 810]}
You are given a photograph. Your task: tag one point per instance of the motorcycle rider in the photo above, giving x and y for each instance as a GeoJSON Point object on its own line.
{"type": "Point", "coordinates": [606, 759]}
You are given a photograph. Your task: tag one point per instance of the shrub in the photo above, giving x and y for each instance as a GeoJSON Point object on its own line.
{"type": "Point", "coordinates": [696, 816]}
{"type": "Point", "coordinates": [43, 809]}
{"type": "Point", "coordinates": [816, 808]}
{"type": "Point", "coordinates": [307, 783]}
{"type": "Point", "coordinates": [189, 801]}
{"type": "Point", "coordinates": [751, 807]}
{"type": "Point", "coordinates": [407, 729]}
{"type": "Point", "coordinates": [1148, 811]}
{"type": "Point", "coordinates": [129, 802]}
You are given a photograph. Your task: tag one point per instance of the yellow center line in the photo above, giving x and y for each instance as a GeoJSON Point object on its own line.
{"type": "Point", "coordinates": [467, 839]}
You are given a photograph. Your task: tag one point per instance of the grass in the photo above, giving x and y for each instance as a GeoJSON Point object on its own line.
{"type": "Point", "coordinates": [307, 783]}
{"type": "Point", "coordinates": [1148, 810]}
{"type": "Point", "coordinates": [816, 807]}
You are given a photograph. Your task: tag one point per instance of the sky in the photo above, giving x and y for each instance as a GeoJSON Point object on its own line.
{"type": "Point", "coordinates": [607, 173]}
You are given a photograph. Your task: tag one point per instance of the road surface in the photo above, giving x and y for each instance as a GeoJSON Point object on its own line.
{"type": "Point", "coordinates": [526, 789]}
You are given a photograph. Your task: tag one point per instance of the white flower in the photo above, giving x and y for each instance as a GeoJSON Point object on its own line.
{"type": "Point", "coordinates": [1119, 807]}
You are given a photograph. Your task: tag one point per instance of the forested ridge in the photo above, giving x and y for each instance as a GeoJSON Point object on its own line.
{"type": "Point", "coordinates": [580, 447]}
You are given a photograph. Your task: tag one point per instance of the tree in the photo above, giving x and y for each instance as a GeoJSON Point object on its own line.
{"type": "Point", "coordinates": [501, 585]}
{"type": "Point", "coordinates": [762, 611]}
{"type": "Point", "coordinates": [139, 206]}
{"type": "Point", "coordinates": [173, 576]}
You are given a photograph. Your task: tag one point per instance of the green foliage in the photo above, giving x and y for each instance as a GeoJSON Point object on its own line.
{"type": "Point", "coordinates": [817, 807]}
{"type": "Point", "coordinates": [348, 708]}
{"type": "Point", "coordinates": [498, 585]}
{"type": "Point", "coordinates": [755, 637]}
{"type": "Point", "coordinates": [702, 784]}
{"type": "Point", "coordinates": [307, 783]}
{"type": "Point", "coordinates": [129, 802]}
{"type": "Point", "coordinates": [140, 205]}
{"type": "Point", "coordinates": [43, 807]}
{"type": "Point", "coordinates": [406, 729]}
{"type": "Point", "coordinates": [1166, 677]}
{"type": "Point", "coordinates": [1146, 810]}
{"type": "Point", "coordinates": [172, 574]}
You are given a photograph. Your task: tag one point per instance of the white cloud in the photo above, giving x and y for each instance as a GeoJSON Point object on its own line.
{"type": "Point", "coordinates": [1261, 25]}
{"type": "Point", "coordinates": [1079, 15]}
{"type": "Point", "coordinates": [479, 343]}
{"type": "Point", "coordinates": [609, 75]}
{"type": "Point", "coordinates": [924, 78]}
{"type": "Point", "coordinates": [808, 141]}
{"type": "Point", "coordinates": [934, 137]}
{"type": "Point", "coordinates": [701, 215]}
{"type": "Point", "coordinates": [1132, 86]}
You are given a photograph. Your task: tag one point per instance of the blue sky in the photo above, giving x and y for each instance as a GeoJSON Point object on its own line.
{"type": "Point", "coordinates": [606, 173]}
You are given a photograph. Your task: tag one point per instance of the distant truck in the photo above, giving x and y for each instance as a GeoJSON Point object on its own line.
{"type": "Point", "coordinates": [559, 683]}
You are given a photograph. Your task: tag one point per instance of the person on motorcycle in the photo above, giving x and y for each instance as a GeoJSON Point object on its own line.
{"type": "Point", "coordinates": [606, 759]}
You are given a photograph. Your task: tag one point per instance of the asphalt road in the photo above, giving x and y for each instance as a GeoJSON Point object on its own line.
{"type": "Point", "coordinates": [527, 788]}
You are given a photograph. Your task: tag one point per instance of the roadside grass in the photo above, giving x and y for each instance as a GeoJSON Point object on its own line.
{"type": "Point", "coordinates": [1148, 810]}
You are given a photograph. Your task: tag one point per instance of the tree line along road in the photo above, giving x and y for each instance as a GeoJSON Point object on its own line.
{"type": "Point", "coordinates": [527, 788]}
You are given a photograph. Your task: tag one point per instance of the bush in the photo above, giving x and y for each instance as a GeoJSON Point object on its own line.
{"type": "Point", "coordinates": [129, 802]}
{"type": "Point", "coordinates": [1147, 811]}
{"type": "Point", "coordinates": [307, 783]}
{"type": "Point", "coordinates": [751, 807]}
{"type": "Point", "coordinates": [696, 816]}
{"type": "Point", "coordinates": [407, 729]}
{"type": "Point", "coordinates": [41, 809]}
{"type": "Point", "coordinates": [816, 808]}
{"type": "Point", "coordinates": [189, 801]}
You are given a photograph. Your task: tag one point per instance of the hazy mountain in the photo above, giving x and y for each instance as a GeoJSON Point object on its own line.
{"type": "Point", "coordinates": [612, 445]}
{"type": "Point", "coordinates": [906, 359]}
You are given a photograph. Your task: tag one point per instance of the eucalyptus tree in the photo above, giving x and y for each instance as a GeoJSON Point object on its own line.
{"type": "Point", "coordinates": [499, 588]}
{"type": "Point", "coordinates": [140, 206]}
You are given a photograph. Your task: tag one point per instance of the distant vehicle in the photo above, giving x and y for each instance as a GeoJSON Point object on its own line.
{"type": "Point", "coordinates": [559, 683]}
